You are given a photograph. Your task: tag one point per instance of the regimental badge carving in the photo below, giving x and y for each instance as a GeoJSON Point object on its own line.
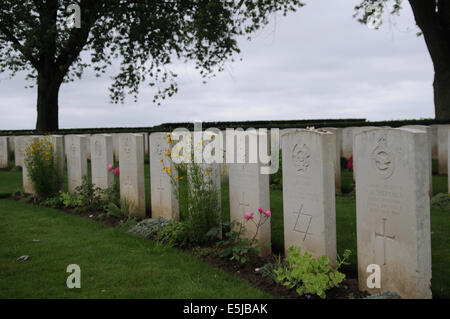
{"type": "Point", "coordinates": [126, 147]}
{"type": "Point", "coordinates": [74, 148]}
{"type": "Point", "coordinates": [301, 156]}
{"type": "Point", "coordinates": [382, 159]}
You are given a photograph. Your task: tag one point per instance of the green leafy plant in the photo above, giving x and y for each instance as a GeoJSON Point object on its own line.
{"type": "Point", "coordinates": [310, 275]}
{"type": "Point", "coordinates": [124, 210]}
{"type": "Point", "coordinates": [172, 234]}
{"type": "Point", "coordinates": [269, 269]}
{"type": "Point", "coordinates": [128, 223]}
{"type": "Point", "coordinates": [112, 194]}
{"type": "Point", "coordinates": [202, 252]}
{"type": "Point", "coordinates": [71, 200]}
{"type": "Point", "coordinates": [91, 196]}
{"type": "Point", "coordinates": [41, 163]}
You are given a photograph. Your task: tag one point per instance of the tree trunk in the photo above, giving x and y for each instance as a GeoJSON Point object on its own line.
{"type": "Point", "coordinates": [47, 102]}
{"type": "Point", "coordinates": [435, 26]}
{"type": "Point", "coordinates": [442, 95]}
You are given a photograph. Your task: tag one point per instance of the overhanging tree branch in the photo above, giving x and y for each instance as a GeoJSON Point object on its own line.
{"type": "Point", "coordinates": [18, 46]}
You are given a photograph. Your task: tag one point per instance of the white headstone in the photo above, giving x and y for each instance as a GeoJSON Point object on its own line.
{"type": "Point", "coordinates": [393, 210]}
{"type": "Point", "coordinates": [347, 142]}
{"type": "Point", "coordinates": [101, 156]}
{"type": "Point", "coordinates": [76, 160]}
{"type": "Point", "coordinates": [132, 178]}
{"type": "Point", "coordinates": [58, 148]}
{"type": "Point", "coordinates": [19, 150]}
{"type": "Point", "coordinates": [309, 192]}
{"type": "Point", "coordinates": [427, 130]}
{"type": "Point", "coordinates": [4, 152]}
{"type": "Point", "coordinates": [25, 142]}
{"type": "Point", "coordinates": [442, 131]}
{"type": "Point", "coordinates": [249, 189]}
{"type": "Point", "coordinates": [163, 191]}
{"type": "Point", "coordinates": [337, 156]}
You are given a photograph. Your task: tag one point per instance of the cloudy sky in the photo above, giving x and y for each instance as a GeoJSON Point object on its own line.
{"type": "Point", "coordinates": [316, 63]}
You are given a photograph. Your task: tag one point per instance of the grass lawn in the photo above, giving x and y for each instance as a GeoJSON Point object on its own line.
{"type": "Point", "coordinates": [10, 181]}
{"type": "Point", "coordinates": [113, 263]}
{"type": "Point", "coordinates": [345, 217]}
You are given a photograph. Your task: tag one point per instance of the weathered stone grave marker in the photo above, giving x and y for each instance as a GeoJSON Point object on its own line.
{"type": "Point", "coordinates": [393, 210]}
{"type": "Point", "coordinates": [309, 192]}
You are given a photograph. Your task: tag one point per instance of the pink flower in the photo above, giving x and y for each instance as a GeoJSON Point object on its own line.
{"type": "Point", "coordinates": [267, 213]}
{"type": "Point", "coordinates": [110, 167]}
{"type": "Point", "coordinates": [116, 171]}
{"type": "Point", "coordinates": [248, 215]}
{"type": "Point", "coordinates": [260, 210]}
{"type": "Point", "coordinates": [257, 269]}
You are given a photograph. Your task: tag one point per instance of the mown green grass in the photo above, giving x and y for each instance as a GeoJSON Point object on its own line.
{"type": "Point", "coordinates": [10, 181]}
{"type": "Point", "coordinates": [113, 264]}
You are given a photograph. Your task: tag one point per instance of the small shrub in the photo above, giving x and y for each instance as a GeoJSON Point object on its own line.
{"type": "Point", "coordinates": [124, 210]}
{"type": "Point", "coordinates": [41, 163]}
{"type": "Point", "coordinates": [269, 269]}
{"type": "Point", "coordinates": [441, 201]}
{"type": "Point", "coordinates": [147, 227]}
{"type": "Point", "coordinates": [90, 195]}
{"type": "Point", "coordinates": [172, 234]}
{"type": "Point", "coordinates": [128, 223]}
{"type": "Point", "coordinates": [201, 252]}
{"type": "Point", "coordinates": [54, 202]}
{"type": "Point", "coordinates": [71, 200]}
{"type": "Point", "coordinates": [310, 275]}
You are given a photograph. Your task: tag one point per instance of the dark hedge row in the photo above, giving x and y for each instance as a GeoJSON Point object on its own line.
{"type": "Point", "coordinates": [168, 127]}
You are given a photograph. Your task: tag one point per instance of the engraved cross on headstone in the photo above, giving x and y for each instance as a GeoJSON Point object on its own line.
{"type": "Point", "coordinates": [243, 204]}
{"type": "Point", "coordinates": [160, 188]}
{"type": "Point", "coordinates": [384, 236]}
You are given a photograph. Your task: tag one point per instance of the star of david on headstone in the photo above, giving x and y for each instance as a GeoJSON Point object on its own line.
{"type": "Point", "coordinates": [302, 223]}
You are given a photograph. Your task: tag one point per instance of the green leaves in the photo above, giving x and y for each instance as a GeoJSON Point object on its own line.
{"type": "Point", "coordinates": [309, 275]}
{"type": "Point", "coordinates": [143, 36]}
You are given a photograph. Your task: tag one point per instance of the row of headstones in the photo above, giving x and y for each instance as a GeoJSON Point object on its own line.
{"type": "Point", "coordinates": [392, 183]}
{"type": "Point", "coordinates": [392, 196]}
{"type": "Point", "coordinates": [437, 134]}
{"type": "Point", "coordinates": [344, 142]}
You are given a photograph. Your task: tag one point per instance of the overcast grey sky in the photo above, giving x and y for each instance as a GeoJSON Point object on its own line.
{"type": "Point", "coordinates": [316, 63]}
